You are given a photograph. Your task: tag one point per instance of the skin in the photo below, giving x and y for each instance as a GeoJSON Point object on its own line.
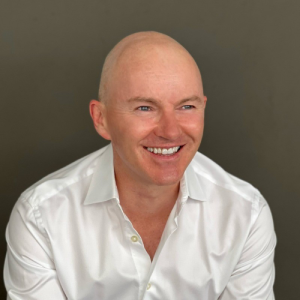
{"type": "Point", "coordinates": [153, 98]}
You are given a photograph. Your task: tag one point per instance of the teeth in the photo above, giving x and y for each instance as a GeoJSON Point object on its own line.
{"type": "Point", "coordinates": [170, 151]}
{"type": "Point", "coordinates": [164, 151]}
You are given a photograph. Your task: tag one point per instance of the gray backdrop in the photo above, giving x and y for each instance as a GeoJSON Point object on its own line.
{"type": "Point", "coordinates": [248, 51]}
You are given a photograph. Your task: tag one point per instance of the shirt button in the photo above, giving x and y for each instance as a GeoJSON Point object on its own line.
{"type": "Point", "coordinates": [134, 238]}
{"type": "Point", "coordinates": [148, 286]}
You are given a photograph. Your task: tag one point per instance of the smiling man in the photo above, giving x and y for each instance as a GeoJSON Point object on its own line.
{"type": "Point", "coordinates": [146, 217]}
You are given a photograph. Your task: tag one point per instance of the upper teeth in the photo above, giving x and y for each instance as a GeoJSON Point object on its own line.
{"type": "Point", "coordinates": [164, 151]}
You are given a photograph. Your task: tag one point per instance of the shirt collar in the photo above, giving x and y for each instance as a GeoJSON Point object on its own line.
{"type": "Point", "coordinates": [103, 185]}
{"type": "Point", "coordinates": [191, 186]}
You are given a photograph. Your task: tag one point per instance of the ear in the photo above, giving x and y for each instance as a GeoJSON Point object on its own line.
{"type": "Point", "coordinates": [205, 100]}
{"type": "Point", "coordinates": [98, 114]}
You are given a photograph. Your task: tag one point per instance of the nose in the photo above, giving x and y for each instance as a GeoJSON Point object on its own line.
{"type": "Point", "coordinates": [168, 126]}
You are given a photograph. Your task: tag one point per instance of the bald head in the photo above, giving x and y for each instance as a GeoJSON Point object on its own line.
{"type": "Point", "coordinates": [141, 50]}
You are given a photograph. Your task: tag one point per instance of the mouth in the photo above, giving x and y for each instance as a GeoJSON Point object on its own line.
{"type": "Point", "coordinates": [164, 151]}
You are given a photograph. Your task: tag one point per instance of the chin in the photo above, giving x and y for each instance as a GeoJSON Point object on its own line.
{"type": "Point", "coordinates": [167, 179]}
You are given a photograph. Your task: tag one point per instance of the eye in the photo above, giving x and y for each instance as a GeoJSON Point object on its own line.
{"type": "Point", "coordinates": [188, 106]}
{"type": "Point", "coordinates": [144, 108]}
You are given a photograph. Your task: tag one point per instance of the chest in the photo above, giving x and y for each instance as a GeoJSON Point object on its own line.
{"type": "Point", "coordinates": [151, 233]}
{"type": "Point", "coordinates": [101, 260]}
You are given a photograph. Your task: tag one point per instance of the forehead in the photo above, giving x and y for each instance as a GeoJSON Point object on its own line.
{"type": "Point", "coordinates": [156, 71]}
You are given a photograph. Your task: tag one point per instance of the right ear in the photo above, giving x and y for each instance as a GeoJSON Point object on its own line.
{"type": "Point", "coordinates": [98, 114]}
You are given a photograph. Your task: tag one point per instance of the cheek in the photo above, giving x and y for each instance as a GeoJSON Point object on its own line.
{"type": "Point", "coordinates": [129, 127]}
{"type": "Point", "coordinates": [193, 124]}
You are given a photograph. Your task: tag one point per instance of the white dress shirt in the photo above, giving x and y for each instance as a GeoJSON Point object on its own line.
{"type": "Point", "coordinates": [68, 238]}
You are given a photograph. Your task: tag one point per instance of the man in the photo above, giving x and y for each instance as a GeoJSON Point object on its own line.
{"type": "Point", "coordinates": [146, 217]}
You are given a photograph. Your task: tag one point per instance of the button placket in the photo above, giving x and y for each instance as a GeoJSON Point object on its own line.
{"type": "Point", "coordinates": [140, 257]}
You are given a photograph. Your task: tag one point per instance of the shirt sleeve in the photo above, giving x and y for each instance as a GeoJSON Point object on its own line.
{"type": "Point", "coordinates": [254, 275]}
{"type": "Point", "coordinates": [29, 270]}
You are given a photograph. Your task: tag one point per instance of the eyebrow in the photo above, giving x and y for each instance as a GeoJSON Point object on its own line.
{"type": "Point", "coordinates": [155, 101]}
{"type": "Point", "coordinates": [143, 99]}
{"type": "Point", "coordinates": [191, 99]}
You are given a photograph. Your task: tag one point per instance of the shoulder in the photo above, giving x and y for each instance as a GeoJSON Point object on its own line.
{"type": "Point", "coordinates": [52, 200]}
{"type": "Point", "coordinates": [226, 189]}
{"type": "Point", "coordinates": [206, 168]}
{"type": "Point", "coordinates": [62, 180]}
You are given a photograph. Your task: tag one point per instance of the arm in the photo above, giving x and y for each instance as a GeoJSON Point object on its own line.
{"type": "Point", "coordinates": [253, 276]}
{"type": "Point", "coordinates": [29, 270]}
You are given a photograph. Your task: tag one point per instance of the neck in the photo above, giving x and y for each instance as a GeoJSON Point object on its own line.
{"type": "Point", "coordinates": [148, 200]}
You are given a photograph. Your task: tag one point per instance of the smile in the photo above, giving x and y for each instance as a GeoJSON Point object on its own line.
{"type": "Point", "coordinates": [164, 151]}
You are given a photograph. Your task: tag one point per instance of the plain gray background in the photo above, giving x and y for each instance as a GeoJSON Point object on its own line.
{"type": "Point", "coordinates": [248, 52]}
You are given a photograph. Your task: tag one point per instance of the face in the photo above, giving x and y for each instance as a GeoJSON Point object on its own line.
{"type": "Point", "coordinates": [154, 117]}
